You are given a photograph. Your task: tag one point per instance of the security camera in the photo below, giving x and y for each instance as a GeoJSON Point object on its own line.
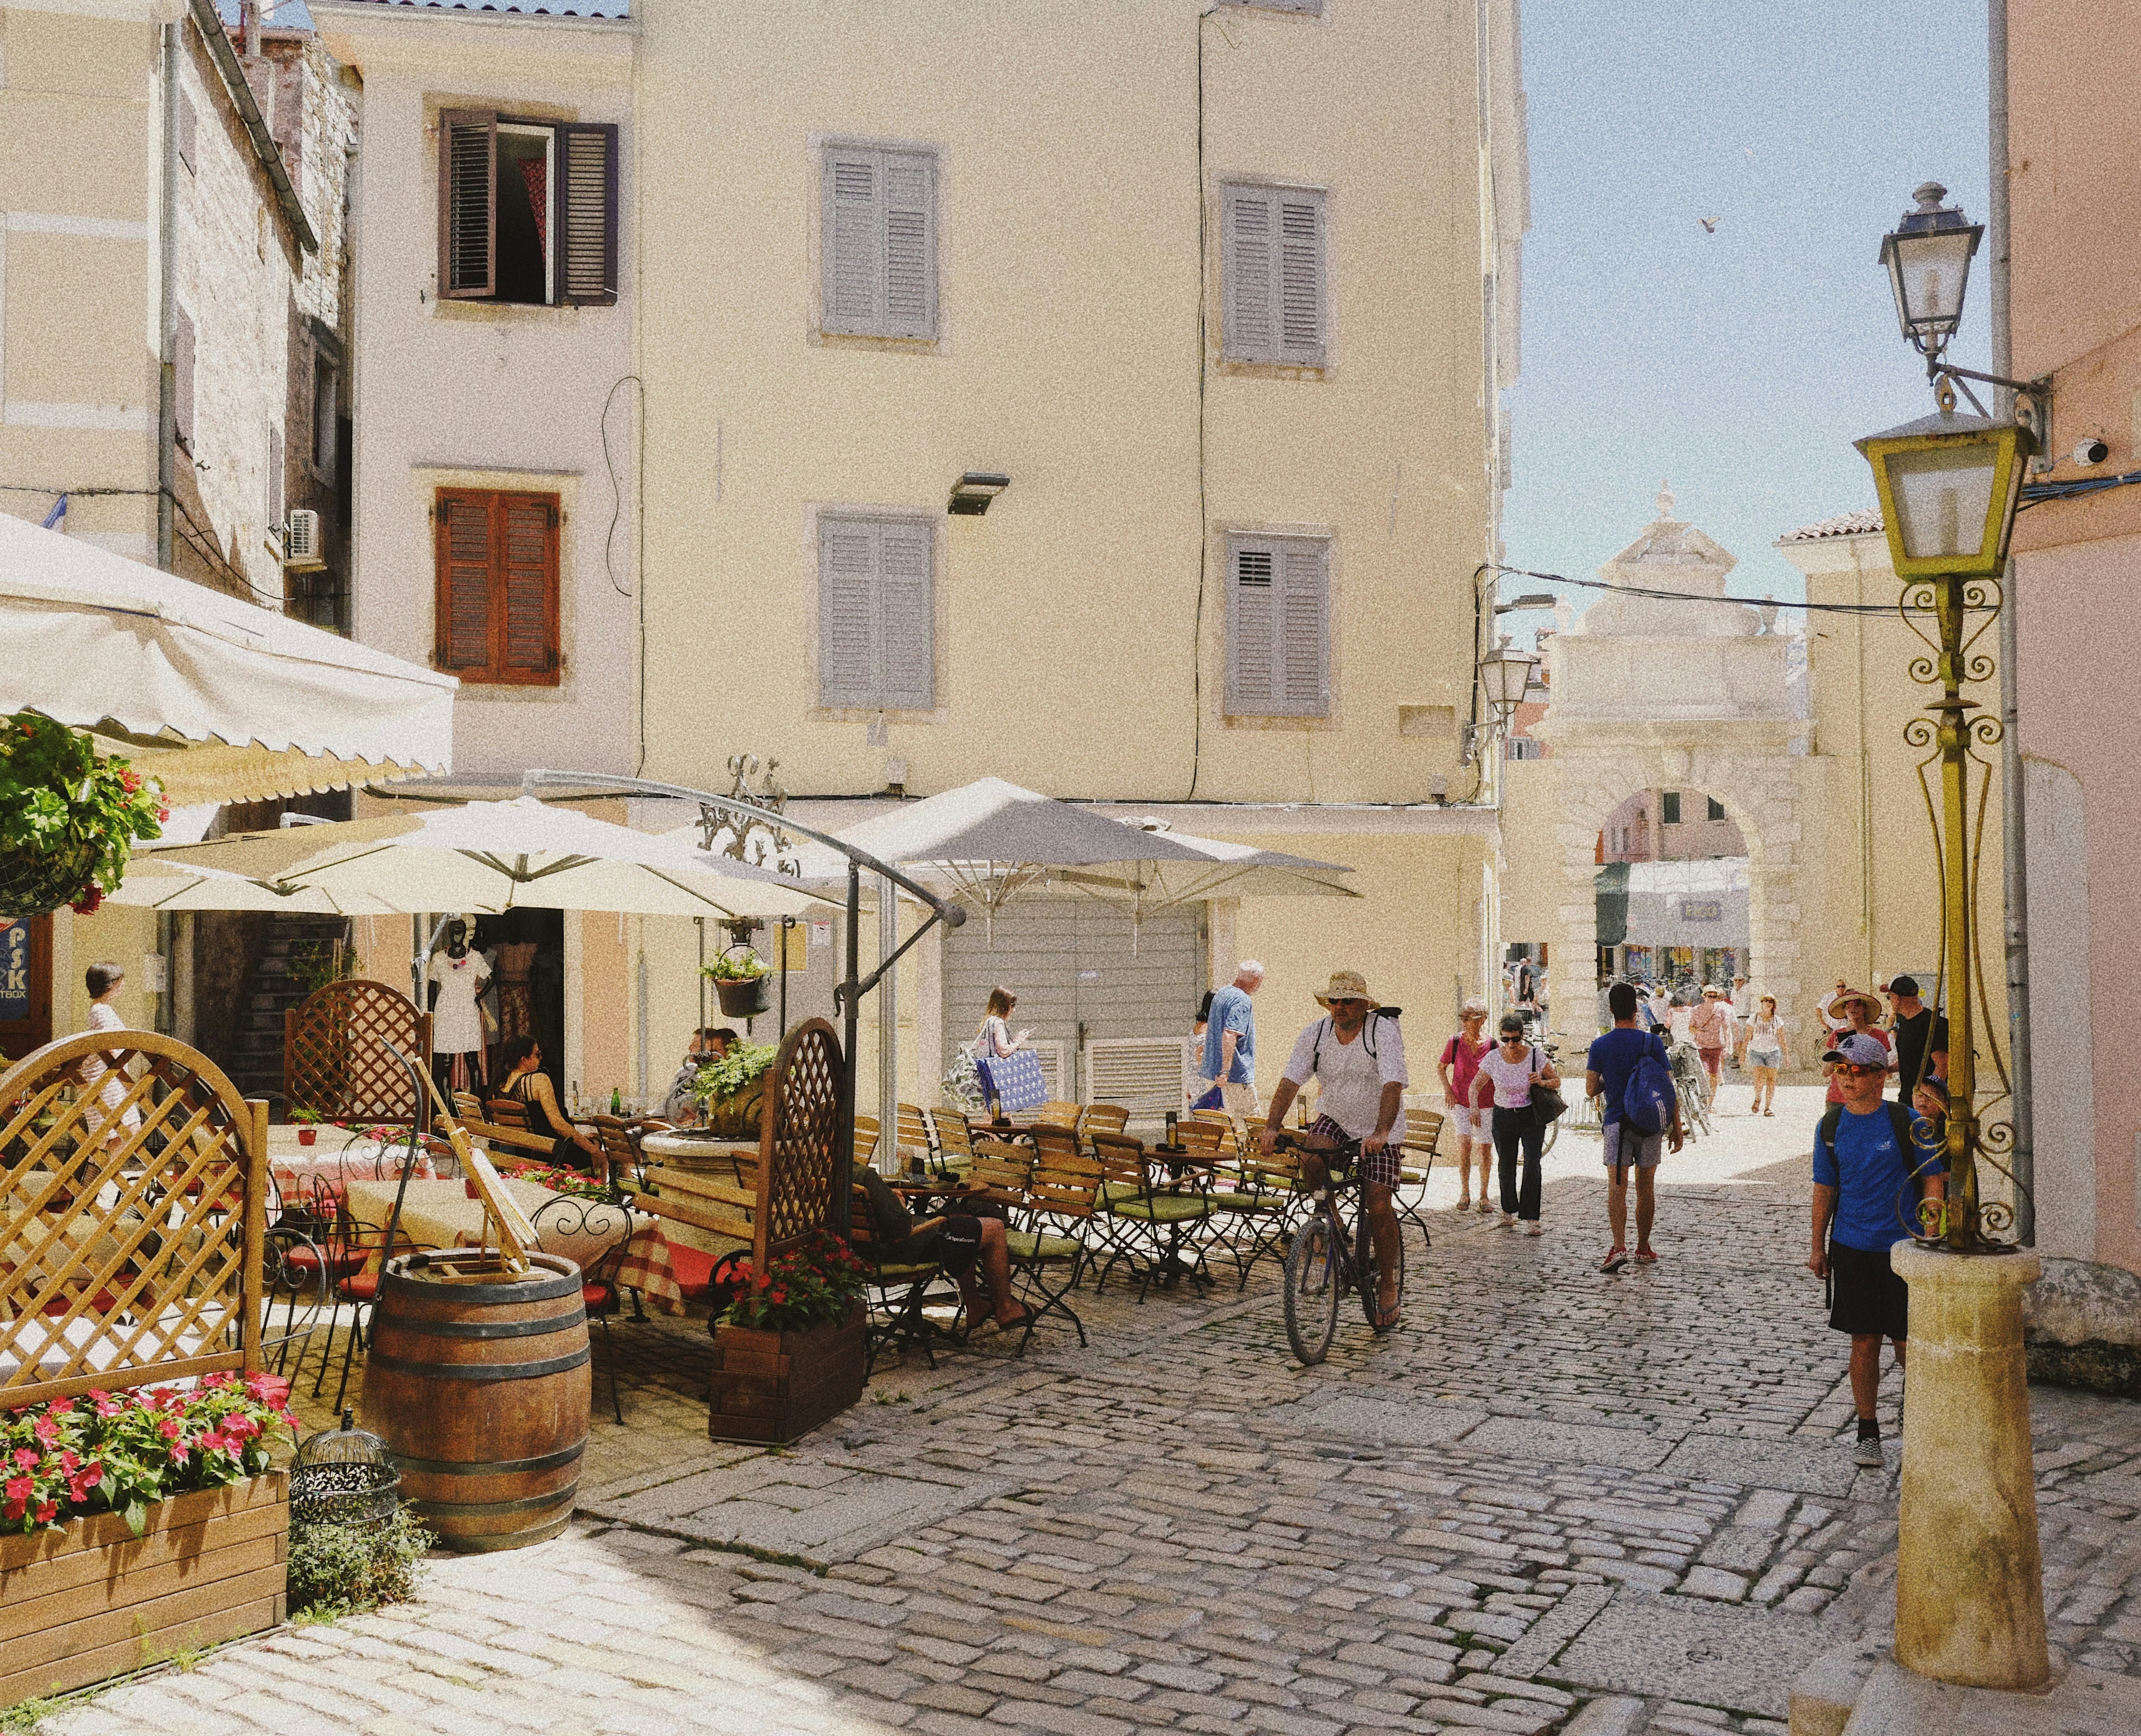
{"type": "Point", "coordinates": [2091, 452]}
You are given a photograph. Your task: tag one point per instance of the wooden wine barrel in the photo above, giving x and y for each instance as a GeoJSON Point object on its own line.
{"type": "Point", "coordinates": [480, 1386]}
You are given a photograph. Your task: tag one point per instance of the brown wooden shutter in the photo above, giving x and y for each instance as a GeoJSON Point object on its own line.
{"type": "Point", "coordinates": [468, 203]}
{"type": "Point", "coordinates": [586, 225]}
{"type": "Point", "coordinates": [462, 537]}
{"type": "Point", "coordinates": [525, 620]}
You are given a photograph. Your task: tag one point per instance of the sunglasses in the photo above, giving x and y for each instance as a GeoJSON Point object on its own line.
{"type": "Point", "coordinates": [1860, 1072]}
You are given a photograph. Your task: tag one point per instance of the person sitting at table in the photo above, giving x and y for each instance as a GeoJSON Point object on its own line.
{"type": "Point", "coordinates": [711, 1043]}
{"type": "Point", "coordinates": [527, 1083]}
{"type": "Point", "coordinates": [958, 1240]}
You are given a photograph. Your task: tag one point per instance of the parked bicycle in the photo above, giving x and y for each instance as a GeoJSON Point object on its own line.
{"type": "Point", "coordinates": [1691, 1081]}
{"type": "Point", "coordinates": [1582, 1113]}
{"type": "Point", "coordinates": [1328, 1258]}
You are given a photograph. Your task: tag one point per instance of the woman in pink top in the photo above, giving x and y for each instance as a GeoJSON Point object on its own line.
{"type": "Point", "coordinates": [1460, 1065]}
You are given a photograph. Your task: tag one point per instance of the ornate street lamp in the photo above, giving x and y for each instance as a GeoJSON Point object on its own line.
{"type": "Point", "coordinates": [1504, 677]}
{"type": "Point", "coordinates": [1969, 1603]}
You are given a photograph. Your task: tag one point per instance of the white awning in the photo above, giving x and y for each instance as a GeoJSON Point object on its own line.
{"type": "Point", "coordinates": [223, 701]}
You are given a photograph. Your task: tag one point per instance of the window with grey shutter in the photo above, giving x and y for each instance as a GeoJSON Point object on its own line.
{"type": "Point", "coordinates": [1278, 631]}
{"type": "Point", "coordinates": [880, 242]}
{"type": "Point", "coordinates": [877, 633]}
{"type": "Point", "coordinates": [1274, 275]}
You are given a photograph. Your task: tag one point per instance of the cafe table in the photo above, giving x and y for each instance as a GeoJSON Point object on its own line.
{"type": "Point", "coordinates": [338, 1157]}
{"type": "Point", "coordinates": [441, 1215]}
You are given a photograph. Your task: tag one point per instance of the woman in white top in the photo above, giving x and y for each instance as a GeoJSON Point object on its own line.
{"type": "Point", "coordinates": [103, 981]}
{"type": "Point", "coordinates": [1766, 1054]}
{"type": "Point", "coordinates": [1508, 1072]}
{"type": "Point", "coordinates": [995, 1039]}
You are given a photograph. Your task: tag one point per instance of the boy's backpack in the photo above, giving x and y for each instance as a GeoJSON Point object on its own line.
{"type": "Point", "coordinates": [1900, 1117]}
{"type": "Point", "coordinates": [1650, 1103]}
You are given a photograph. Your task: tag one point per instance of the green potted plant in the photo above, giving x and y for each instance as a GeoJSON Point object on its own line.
{"type": "Point", "coordinates": [307, 1123]}
{"type": "Point", "coordinates": [731, 1090]}
{"type": "Point", "coordinates": [68, 817]}
{"type": "Point", "coordinates": [790, 1350]}
{"type": "Point", "coordinates": [739, 979]}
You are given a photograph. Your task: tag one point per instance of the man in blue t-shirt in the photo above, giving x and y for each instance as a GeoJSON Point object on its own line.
{"type": "Point", "coordinates": [1872, 1162]}
{"type": "Point", "coordinates": [1230, 1041]}
{"type": "Point", "coordinates": [1610, 1064]}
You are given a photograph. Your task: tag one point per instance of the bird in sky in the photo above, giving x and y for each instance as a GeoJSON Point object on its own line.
{"type": "Point", "coordinates": [1710, 224]}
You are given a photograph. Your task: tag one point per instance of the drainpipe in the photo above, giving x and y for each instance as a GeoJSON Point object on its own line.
{"type": "Point", "coordinates": [2014, 865]}
{"type": "Point", "coordinates": [167, 304]}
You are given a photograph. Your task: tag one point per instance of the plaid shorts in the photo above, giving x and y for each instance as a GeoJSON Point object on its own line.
{"type": "Point", "coordinates": [1377, 1168]}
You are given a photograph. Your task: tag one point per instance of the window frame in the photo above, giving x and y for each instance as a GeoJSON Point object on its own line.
{"type": "Point", "coordinates": [496, 672]}
{"type": "Point", "coordinates": [881, 328]}
{"type": "Point", "coordinates": [879, 699]}
{"type": "Point", "coordinates": [1669, 814]}
{"type": "Point", "coordinates": [1237, 705]}
{"type": "Point", "coordinates": [1235, 352]}
{"type": "Point", "coordinates": [558, 224]}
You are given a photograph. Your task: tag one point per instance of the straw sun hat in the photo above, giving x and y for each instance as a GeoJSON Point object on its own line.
{"type": "Point", "coordinates": [1347, 985]}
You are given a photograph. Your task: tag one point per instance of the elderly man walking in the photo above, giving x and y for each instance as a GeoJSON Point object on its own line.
{"type": "Point", "coordinates": [1230, 1041]}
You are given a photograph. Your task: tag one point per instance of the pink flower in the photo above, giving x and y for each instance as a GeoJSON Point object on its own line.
{"type": "Point", "coordinates": [270, 1389]}
{"type": "Point", "coordinates": [20, 1488]}
{"type": "Point", "coordinates": [179, 1455]}
{"type": "Point", "coordinates": [215, 1441]}
{"type": "Point", "coordinates": [46, 1430]}
{"type": "Point", "coordinates": [68, 1460]}
{"type": "Point", "coordinates": [27, 1457]}
{"type": "Point", "coordinates": [169, 1429]}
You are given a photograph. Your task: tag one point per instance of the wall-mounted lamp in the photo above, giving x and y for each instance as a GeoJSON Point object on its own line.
{"type": "Point", "coordinates": [1531, 600]}
{"type": "Point", "coordinates": [971, 493]}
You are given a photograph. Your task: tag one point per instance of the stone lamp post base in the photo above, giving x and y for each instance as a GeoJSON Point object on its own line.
{"type": "Point", "coordinates": [1970, 1598]}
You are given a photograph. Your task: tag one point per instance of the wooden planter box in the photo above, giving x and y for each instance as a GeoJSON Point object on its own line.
{"type": "Point", "coordinates": [93, 1601]}
{"type": "Point", "coordinates": [777, 1386]}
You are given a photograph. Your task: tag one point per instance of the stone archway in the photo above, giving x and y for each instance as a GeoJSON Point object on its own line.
{"type": "Point", "coordinates": [1686, 690]}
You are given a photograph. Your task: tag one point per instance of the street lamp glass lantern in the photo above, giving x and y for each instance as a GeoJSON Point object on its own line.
{"type": "Point", "coordinates": [1929, 259]}
{"type": "Point", "coordinates": [1504, 675]}
{"type": "Point", "coordinates": [1949, 486]}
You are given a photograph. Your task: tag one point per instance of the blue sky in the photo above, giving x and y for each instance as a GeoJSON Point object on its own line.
{"type": "Point", "coordinates": [1741, 364]}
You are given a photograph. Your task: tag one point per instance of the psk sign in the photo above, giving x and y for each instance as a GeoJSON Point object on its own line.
{"type": "Point", "coordinates": [14, 970]}
{"type": "Point", "coordinates": [1702, 910]}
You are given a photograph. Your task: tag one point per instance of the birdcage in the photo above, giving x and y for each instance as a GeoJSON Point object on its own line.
{"type": "Point", "coordinates": [342, 1477]}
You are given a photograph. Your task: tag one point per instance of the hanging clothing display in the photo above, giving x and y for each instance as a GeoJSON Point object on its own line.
{"type": "Point", "coordinates": [457, 976]}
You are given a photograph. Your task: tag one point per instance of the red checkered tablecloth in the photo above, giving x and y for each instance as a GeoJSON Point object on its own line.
{"type": "Point", "coordinates": [647, 1268]}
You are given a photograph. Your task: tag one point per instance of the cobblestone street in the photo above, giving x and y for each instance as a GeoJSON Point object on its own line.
{"type": "Point", "coordinates": [1556, 1500]}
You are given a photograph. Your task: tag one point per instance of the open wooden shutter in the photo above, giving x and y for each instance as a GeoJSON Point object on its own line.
{"type": "Point", "coordinates": [906, 557]}
{"type": "Point", "coordinates": [461, 539]}
{"type": "Point", "coordinates": [1301, 277]}
{"type": "Point", "coordinates": [1252, 613]}
{"type": "Point", "coordinates": [526, 614]}
{"type": "Point", "coordinates": [1251, 231]}
{"type": "Point", "coordinates": [468, 215]}
{"type": "Point", "coordinates": [910, 244]}
{"type": "Point", "coordinates": [846, 614]}
{"type": "Point", "coordinates": [586, 196]}
{"type": "Point", "coordinates": [853, 242]}
{"type": "Point", "coordinates": [1304, 630]}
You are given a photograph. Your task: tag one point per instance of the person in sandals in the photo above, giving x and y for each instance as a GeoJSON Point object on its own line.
{"type": "Point", "coordinates": [1359, 1057]}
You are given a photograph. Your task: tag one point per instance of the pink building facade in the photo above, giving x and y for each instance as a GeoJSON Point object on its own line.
{"type": "Point", "coordinates": [2074, 137]}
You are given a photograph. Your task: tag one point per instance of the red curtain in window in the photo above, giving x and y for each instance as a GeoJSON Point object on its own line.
{"type": "Point", "coordinates": [536, 173]}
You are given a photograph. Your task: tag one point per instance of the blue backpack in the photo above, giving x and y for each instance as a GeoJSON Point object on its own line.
{"type": "Point", "coordinates": [1650, 1103]}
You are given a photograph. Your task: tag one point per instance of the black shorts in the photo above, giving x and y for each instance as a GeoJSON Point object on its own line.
{"type": "Point", "coordinates": [1865, 1295]}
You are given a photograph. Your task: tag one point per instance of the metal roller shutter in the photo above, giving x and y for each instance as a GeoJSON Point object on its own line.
{"type": "Point", "coordinates": [1078, 979]}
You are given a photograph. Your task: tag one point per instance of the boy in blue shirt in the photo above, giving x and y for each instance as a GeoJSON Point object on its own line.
{"type": "Point", "coordinates": [1608, 1067]}
{"type": "Point", "coordinates": [1872, 1162]}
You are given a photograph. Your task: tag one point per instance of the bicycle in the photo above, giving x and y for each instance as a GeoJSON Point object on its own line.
{"type": "Point", "coordinates": [1691, 1080]}
{"type": "Point", "coordinates": [1583, 1112]}
{"type": "Point", "coordinates": [1324, 1261]}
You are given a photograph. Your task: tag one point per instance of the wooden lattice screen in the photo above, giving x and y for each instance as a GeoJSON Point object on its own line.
{"type": "Point", "coordinates": [335, 1058]}
{"type": "Point", "coordinates": [799, 1142]}
{"type": "Point", "coordinates": [131, 1231]}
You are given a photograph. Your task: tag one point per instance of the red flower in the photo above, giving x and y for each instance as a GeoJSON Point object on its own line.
{"type": "Point", "coordinates": [46, 1430]}
{"type": "Point", "coordinates": [270, 1389]}
{"type": "Point", "coordinates": [20, 1488]}
{"type": "Point", "coordinates": [48, 1512]}
{"type": "Point", "coordinates": [169, 1429]}
{"type": "Point", "coordinates": [27, 1457]}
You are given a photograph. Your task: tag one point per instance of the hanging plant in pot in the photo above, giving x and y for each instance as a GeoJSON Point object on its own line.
{"type": "Point", "coordinates": [68, 817]}
{"type": "Point", "coordinates": [731, 1090]}
{"type": "Point", "coordinates": [739, 979]}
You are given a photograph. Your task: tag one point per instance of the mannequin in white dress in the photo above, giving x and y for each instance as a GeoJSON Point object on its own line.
{"type": "Point", "coordinates": [457, 976]}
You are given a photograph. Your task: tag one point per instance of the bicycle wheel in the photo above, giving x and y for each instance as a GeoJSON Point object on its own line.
{"type": "Point", "coordinates": [1371, 1276]}
{"type": "Point", "coordinates": [1553, 1132]}
{"type": "Point", "coordinates": [1311, 1290]}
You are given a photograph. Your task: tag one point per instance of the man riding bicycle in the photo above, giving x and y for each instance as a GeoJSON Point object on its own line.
{"type": "Point", "coordinates": [1357, 1054]}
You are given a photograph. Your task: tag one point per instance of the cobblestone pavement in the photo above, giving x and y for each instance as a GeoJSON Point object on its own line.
{"type": "Point", "coordinates": [1555, 1502]}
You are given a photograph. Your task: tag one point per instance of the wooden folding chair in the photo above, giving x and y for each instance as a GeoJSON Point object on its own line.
{"type": "Point", "coordinates": [1102, 1118]}
{"type": "Point", "coordinates": [954, 1145]}
{"type": "Point", "coordinates": [1423, 1134]}
{"type": "Point", "coordinates": [911, 1139]}
{"type": "Point", "coordinates": [1062, 1193]}
{"type": "Point", "coordinates": [866, 1131]}
{"type": "Point", "coordinates": [897, 1291]}
{"type": "Point", "coordinates": [1056, 1113]}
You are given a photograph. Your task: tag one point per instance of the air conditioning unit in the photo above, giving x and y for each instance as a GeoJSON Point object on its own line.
{"type": "Point", "coordinates": [302, 549]}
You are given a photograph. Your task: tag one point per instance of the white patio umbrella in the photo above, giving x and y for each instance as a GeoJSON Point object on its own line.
{"type": "Point", "coordinates": [1224, 870]}
{"type": "Point", "coordinates": [172, 886]}
{"type": "Point", "coordinates": [223, 701]}
{"type": "Point", "coordinates": [489, 857]}
{"type": "Point", "coordinates": [987, 842]}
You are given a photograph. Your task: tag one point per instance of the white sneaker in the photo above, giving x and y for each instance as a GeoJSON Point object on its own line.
{"type": "Point", "coordinates": [1866, 1454]}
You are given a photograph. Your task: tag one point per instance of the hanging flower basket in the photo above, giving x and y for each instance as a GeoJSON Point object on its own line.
{"type": "Point", "coordinates": [68, 817]}
{"type": "Point", "coordinates": [740, 983]}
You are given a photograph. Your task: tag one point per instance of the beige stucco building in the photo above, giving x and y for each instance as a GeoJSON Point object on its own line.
{"type": "Point", "coordinates": [174, 328]}
{"type": "Point", "coordinates": [1228, 295]}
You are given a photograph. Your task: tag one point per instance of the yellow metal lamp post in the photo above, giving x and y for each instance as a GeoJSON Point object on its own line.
{"type": "Point", "coordinates": [1969, 1578]}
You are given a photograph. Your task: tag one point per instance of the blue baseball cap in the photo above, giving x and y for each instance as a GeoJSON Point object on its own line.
{"type": "Point", "coordinates": [1859, 1051]}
